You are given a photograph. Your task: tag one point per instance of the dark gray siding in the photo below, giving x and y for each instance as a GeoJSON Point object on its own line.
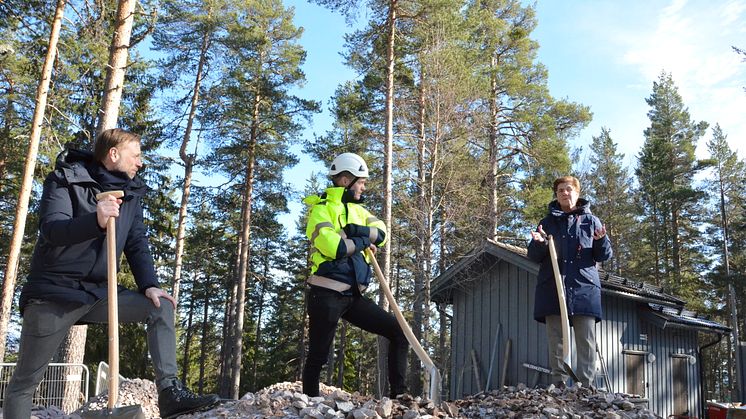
{"type": "Point", "coordinates": [500, 296]}
{"type": "Point", "coordinates": [621, 331]}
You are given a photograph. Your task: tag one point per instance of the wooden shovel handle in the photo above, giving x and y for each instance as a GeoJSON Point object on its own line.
{"type": "Point", "coordinates": [564, 315]}
{"type": "Point", "coordinates": [435, 377]}
{"type": "Point", "coordinates": [113, 302]}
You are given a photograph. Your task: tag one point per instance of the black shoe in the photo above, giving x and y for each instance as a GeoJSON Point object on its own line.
{"type": "Point", "coordinates": [178, 400]}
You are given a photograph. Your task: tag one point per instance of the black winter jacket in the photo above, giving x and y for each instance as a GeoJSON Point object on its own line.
{"type": "Point", "coordinates": [69, 259]}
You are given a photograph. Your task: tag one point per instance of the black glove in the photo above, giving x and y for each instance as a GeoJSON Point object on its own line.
{"type": "Point", "coordinates": [361, 243]}
{"type": "Point", "coordinates": [356, 230]}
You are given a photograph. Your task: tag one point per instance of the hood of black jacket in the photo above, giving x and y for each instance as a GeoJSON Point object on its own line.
{"type": "Point", "coordinates": [75, 166]}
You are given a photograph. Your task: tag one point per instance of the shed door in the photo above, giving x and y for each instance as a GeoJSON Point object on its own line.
{"type": "Point", "coordinates": [680, 387]}
{"type": "Point", "coordinates": [635, 366]}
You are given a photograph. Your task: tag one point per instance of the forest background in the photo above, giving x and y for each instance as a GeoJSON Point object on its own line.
{"type": "Point", "coordinates": [459, 119]}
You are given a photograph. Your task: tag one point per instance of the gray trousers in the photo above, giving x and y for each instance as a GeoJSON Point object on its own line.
{"type": "Point", "coordinates": [46, 323]}
{"type": "Point", "coordinates": [584, 328]}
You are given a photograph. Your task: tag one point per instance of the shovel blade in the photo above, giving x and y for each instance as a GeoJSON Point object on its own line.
{"type": "Point", "coordinates": [124, 412]}
{"type": "Point", "coordinates": [568, 369]}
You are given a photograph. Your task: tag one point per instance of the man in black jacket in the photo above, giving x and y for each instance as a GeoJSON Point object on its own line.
{"type": "Point", "coordinates": [67, 281]}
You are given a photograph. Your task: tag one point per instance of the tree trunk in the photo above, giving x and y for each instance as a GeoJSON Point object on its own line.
{"type": "Point", "coordinates": [245, 245]}
{"type": "Point", "coordinates": [118, 53]}
{"type": "Point", "coordinates": [188, 167]}
{"type": "Point", "coordinates": [442, 336]}
{"type": "Point", "coordinates": [656, 246]}
{"type": "Point", "coordinates": [676, 247]}
{"type": "Point", "coordinates": [187, 342]}
{"type": "Point", "coordinates": [737, 390]}
{"type": "Point", "coordinates": [303, 338]}
{"type": "Point", "coordinates": [492, 176]}
{"type": "Point", "coordinates": [71, 353]}
{"type": "Point", "coordinates": [260, 313]}
{"type": "Point", "coordinates": [227, 350]}
{"type": "Point", "coordinates": [381, 377]}
{"type": "Point", "coordinates": [415, 381]}
{"type": "Point", "coordinates": [5, 140]}
{"type": "Point", "coordinates": [19, 226]}
{"type": "Point", "coordinates": [341, 355]}
{"type": "Point", "coordinates": [205, 337]}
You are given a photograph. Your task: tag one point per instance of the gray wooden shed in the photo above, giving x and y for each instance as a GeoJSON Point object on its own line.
{"type": "Point", "coordinates": [647, 339]}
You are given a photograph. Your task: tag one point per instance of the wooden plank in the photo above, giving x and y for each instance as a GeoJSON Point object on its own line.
{"type": "Point", "coordinates": [492, 358]}
{"type": "Point", "coordinates": [506, 356]}
{"type": "Point", "coordinates": [475, 368]}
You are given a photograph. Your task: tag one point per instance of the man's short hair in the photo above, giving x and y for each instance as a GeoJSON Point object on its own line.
{"type": "Point", "coordinates": [111, 138]}
{"type": "Point", "coordinates": [566, 179]}
{"type": "Point", "coordinates": [337, 179]}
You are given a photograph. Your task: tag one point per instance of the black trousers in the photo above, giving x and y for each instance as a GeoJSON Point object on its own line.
{"type": "Point", "coordinates": [325, 308]}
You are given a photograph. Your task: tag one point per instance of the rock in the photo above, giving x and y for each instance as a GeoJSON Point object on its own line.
{"type": "Point", "coordinates": [550, 411]}
{"type": "Point", "coordinates": [385, 407]}
{"type": "Point", "coordinates": [365, 413]}
{"type": "Point", "coordinates": [345, 407]}
{"type": "Point", "coordinates": [627, 405]}
{"type": "Point", "coordinates": [311, 413]}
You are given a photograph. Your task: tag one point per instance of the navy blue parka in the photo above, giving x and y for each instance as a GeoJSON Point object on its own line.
{"type": "Point", "coordinates": [578, 254]}
{"type": "Point", "coordinates": [69, 260]}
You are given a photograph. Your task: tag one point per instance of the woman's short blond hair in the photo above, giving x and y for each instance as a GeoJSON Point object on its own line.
{"type": "Point", "coordinates": [566, 179]}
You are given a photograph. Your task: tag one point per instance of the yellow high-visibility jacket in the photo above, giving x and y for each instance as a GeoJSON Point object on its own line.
{"type": "Point", "coordinates": [334, 255]}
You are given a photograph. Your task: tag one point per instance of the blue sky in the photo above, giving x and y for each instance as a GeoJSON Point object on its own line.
{"type": "Point", "coordinates": [601, 53]}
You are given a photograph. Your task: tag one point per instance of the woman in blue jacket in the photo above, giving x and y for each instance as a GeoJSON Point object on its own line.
{"type": "Point", "coordinates": [581, 242]}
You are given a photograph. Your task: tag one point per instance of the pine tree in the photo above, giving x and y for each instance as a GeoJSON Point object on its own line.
{"type": "Point", "coordinates": [19, 227]}
{"type": "Point", "coordinates": [609, 188]}
{"type": "Point", "coordinates": [190, 54]}
{"type": "Point", "coordinates": [666, 170]}
{"type": "Point", "coordinates": [521, 129]}
{"type": "Point", "coordinates": [259, 118]}
{"type": "Point", "coordinates": [725, 192]}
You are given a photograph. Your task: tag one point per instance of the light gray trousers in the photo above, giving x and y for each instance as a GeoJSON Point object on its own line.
{"type": "Point", "coordinates": [584, 328]}
{"type": "Point", "coordinates": [46, 323]}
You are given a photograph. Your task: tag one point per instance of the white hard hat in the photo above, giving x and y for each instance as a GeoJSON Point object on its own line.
{"type": "Point", "coordinates": [349, 162]}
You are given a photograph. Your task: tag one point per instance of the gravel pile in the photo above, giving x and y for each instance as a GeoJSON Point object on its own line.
{"type": "Point", "coordinates": [135, 391]}
{"type": "Point", "coordinates": [285, 400]}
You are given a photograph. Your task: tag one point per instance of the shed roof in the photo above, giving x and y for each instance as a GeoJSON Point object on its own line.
{"type": "Point", "coordinates": [665, 307]}
{"type": "Point", "coordinates": [665, 316]}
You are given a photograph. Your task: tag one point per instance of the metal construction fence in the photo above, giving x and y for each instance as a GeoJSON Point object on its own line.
{"type": "Point", "coordinates": [64, 385]}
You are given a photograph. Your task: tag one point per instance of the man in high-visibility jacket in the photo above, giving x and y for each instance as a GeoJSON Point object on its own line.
{"type": "Point", "coordinates": [340, 230]}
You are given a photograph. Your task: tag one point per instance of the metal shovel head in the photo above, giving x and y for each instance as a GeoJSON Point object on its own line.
{"type": "Point", "coordinates": [568, 369]}
{"type": "Point", "coordinates": [124, 412]}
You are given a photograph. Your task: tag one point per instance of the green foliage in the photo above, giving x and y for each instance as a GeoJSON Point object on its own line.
{"type": "Point", "coordinates": [667, 167]}
{"type": "Point", "coordinates": [608, 185]}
